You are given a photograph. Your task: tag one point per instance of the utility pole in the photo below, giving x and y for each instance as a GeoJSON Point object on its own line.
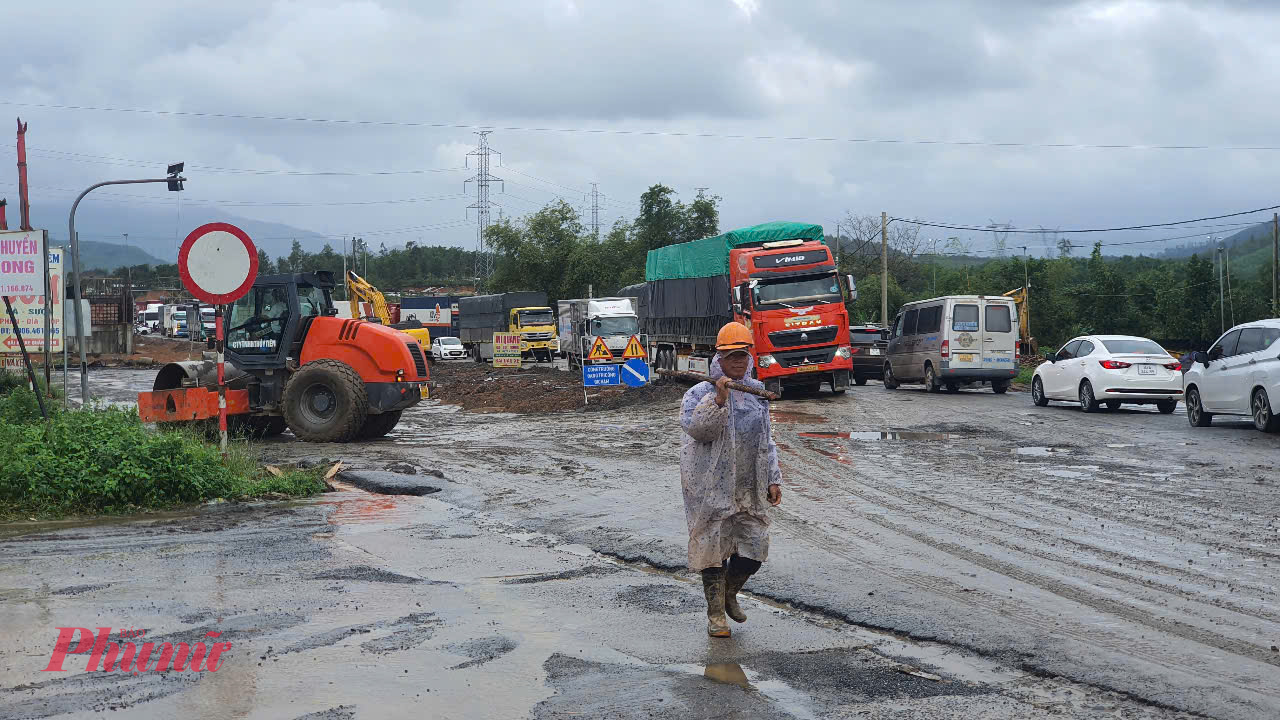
{"type": "Point", "coordinates": [1222, 298]}
{"type": "Point", "coordinates": [1026, 293]}
{"type": "Point", "coordinates": [595, 211]}
{"type": "Point", "coordinates": [128, 278]}
{"type": "Point", "coordinates": [934, 246]}
{"type": "Point", "coordinates": [1275, 263]}
{"type": "Point", "coordinates": [482, 178]}
{"type": "Point", "coordinates": [884, 268]}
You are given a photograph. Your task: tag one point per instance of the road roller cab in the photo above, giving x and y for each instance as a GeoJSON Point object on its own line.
{"type": "Point", "coordinates": [290, 361]}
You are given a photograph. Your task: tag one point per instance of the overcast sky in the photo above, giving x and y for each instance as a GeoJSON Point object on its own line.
{"type": "Point", "coordinates": [1002, 71]}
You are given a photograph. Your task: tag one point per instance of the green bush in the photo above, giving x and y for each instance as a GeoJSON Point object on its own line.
{"type": "Point", "coordinates": [105, 460]}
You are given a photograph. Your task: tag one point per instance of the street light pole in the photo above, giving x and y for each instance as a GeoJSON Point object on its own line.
{"type": "Point", "coordinates": [175, 183]}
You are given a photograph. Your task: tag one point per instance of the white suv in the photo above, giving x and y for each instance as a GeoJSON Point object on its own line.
{"type": "Point", "coordinates": [1238, 376]}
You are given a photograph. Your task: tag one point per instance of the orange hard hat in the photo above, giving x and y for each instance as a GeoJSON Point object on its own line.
{"type": "Point", "coordinates": [733, 336]}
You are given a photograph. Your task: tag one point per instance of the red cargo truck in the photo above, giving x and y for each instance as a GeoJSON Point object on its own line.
{"type": "Point", "coordinates": [779, 279]}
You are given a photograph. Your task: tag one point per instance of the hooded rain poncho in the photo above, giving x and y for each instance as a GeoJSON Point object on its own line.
{"type": "Point", "coordinates": [727, 464]}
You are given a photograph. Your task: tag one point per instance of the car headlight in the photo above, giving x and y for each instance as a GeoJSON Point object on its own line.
{"type": "Point", "coordinates": [766, 361]}
{"type": "Point", "coordinates": [844, 352]}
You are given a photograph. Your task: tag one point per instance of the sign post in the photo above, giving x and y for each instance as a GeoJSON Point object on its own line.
{"type": "Point", "coordinates": [506, 350]}
{"type": "Point", "coordinates": [218, 264]}
{"type": "Point", "coordinates": [22, 261]}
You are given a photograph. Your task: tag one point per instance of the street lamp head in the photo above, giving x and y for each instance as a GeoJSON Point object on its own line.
{"type": "Point", "coordinates": [175, 176]}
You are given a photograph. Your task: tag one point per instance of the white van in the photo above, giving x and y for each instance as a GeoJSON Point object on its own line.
{"type": "Point", "coordinates": [953, 341]}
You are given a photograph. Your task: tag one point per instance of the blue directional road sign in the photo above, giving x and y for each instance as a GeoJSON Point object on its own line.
{"type": "Point", "coordinates": [635, 372]}
{"type": "Point", "coordinates": [597, 375]}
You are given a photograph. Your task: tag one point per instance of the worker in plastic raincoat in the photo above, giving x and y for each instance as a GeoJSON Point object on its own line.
{"type": "Point", "coordinates": [729, 472]}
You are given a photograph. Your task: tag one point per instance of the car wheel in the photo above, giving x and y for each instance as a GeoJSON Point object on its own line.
{"type": "Point", "coordinates": [859, 380]}
{"type": "Point", "coordinates": [1000, 387]}
{"type": "Point", "coordinates": [1113, 405]}
{"type": "Point", "coordinates": [953, 388]}
{"type": "Point", "coordinates": [890, 382]}
{"type": "Point", "coordinates": [1167, 406]}
{"type": "Point", "coordinates": [931, 379]}
{"type": "Point", "coordinates": [1088, 402]}
{"type": "Point", "coordinates": [1263, 418]}
{"type": "Point", "coordinates": [1196, 414]}
{"type": "Point", "coordinates": [1037, 393]}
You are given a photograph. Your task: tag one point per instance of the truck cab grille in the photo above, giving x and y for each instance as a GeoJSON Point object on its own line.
{"type": "Point", "coordinates": [803, 336]}
{"type": "Point", "coordinates": [812, 356]}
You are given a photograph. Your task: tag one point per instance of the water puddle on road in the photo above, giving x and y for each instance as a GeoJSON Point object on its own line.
{"type": "Point", "coordinates": [780, 694]}
{"type": "Point", "coordinates": [1038, 451]}
{"type": "Point", "coordinates": [874, 435]}
{"type": "Point", "coordinates": [1071, 471]}
{"type": "Point", "coordinates": [795, 416]}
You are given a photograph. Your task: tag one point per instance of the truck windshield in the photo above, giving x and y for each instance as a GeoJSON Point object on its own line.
{"type": "Point", "coordinates": [535, 317]}
{"type": "Point", "coordinates": [613, 326]}
{"type": "Point", "coordinates": [808, 289]}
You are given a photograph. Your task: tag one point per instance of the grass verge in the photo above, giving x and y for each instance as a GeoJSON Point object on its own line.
{"type": "Point", "coordinates": [104, 461]}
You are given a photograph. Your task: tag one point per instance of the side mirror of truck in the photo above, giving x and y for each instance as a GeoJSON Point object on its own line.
{"type": "Point", "coordinates": [853, 288]}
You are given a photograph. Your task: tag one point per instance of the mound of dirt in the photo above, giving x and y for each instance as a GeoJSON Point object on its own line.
{"type": "Point", "coordinates": [477, 387]}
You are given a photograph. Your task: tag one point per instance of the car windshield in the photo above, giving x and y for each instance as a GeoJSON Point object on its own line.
{"type": "Point", "coordinates": [535, 317]}
{"type": "Point", "coordinates": [450, 341]}
{"type": "Point", "coordinates": [823, 288]}
{"type": "Point", "coordinates": [613, 326]}
{"type": "Point", "coordinates": [1134, 346]}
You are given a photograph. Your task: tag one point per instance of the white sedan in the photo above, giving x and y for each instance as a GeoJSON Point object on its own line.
{"type": "Point", "coordinates": [1240, 375]}
{"type": "Point", "coordinates": [447, 348]}
{"type": "Point", "coordinates": [1111, 370]}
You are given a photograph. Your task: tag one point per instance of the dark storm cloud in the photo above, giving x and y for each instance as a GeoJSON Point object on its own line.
{"type": "Point", "coordinates": [1091, 72]}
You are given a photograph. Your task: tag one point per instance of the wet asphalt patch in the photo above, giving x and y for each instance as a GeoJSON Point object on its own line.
{"type": "Point", "coordinates": [389, 483]}
{"type": "Point", "coordinates": [366, 573]}
{"type": "Point", "coordinates": [342, 712]}
{"type": "Point", "coordinates": [589, 571]}
{"type": "Point", "coordinates": [80, 589]}
{"type": "Point", "coordinates": [662, 599]}
{"type": "Point", "coordinates": [482, 650]}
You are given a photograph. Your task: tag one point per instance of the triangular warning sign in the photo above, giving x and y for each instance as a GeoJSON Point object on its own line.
{"type": "Point", "coordinates": [634, 350]}
{"type": "Point", "coordinates": [599, 351]}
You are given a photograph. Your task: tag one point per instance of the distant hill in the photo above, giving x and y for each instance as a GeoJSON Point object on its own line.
{"type": "Point", "coordinates": [156, 230]}
{"type": "Point", "coordinates": [1246, 247]}
{"type": "Point", "coordinates": [109, 256]}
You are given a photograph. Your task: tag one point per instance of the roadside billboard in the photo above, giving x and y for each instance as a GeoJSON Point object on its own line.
{"type": "Point", "coordinates": [506, 350]}
{"type": "Point", "coordinates": [29, 306]}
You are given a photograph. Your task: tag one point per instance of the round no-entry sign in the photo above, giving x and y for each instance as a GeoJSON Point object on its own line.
{"type": "Point", "coordinates": [218, 263]}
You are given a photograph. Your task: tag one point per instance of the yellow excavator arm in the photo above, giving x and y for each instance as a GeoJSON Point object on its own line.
{"type": "Point", "coordinates": [359, 290]}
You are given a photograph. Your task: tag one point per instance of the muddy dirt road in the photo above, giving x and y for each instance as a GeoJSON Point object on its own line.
{"type": "Point", "coordinates": [1033, 559]}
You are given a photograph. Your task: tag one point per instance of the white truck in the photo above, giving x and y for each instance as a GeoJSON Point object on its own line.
{"type": "Point", "coordinates": [581, 321]}
{"type": "Point", "coordinates": [173, 321]}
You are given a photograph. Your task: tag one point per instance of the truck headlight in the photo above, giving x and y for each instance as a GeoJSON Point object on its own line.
{"type": "Point", "coordinates": [766, 361]}
{"type": "Point", "coordinates": [844, 352]}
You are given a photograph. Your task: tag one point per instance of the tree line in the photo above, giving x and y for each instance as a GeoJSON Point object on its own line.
{"type": "Point", "coordinates": [553, 250]}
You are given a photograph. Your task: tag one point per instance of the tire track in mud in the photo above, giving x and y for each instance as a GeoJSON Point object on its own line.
{"type": "Point", "coordinates": [1056, 587]}
{"type": "Point", "coordinates": [809, 466]}
{"type": "Point", "coordinates": [1220, 601]}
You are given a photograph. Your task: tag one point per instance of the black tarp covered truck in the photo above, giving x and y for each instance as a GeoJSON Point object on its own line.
{"type": "Point", "coordinates": [523, 313]}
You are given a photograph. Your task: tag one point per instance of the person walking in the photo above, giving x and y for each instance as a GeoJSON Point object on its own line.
{"type": "Point", "coordinates": [730, 476]}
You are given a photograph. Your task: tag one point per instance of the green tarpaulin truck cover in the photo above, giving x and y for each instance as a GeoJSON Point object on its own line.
{"type": "Point", "coordinates": [710, 256]}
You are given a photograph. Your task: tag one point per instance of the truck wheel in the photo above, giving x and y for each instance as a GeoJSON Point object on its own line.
{"type": "Point", "coordinates": [860, 381]}
{"type": "Point", "coordinates": [839, 381]}
{"type": "Point", "coordinates": [375, 426]}
{"type": "Point", "coordinates": [325, 401]}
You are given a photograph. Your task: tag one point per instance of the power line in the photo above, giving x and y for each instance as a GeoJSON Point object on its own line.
{"type": "Point", "coordinates": [129, 162]}
{"type": "Point", "coordinates": [1038, 231]}
{"type": "Point", "coordinates": [645, 133]}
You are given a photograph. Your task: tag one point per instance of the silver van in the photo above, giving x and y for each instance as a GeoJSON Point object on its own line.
{"type": "Point", "coordinates": [953, 341]}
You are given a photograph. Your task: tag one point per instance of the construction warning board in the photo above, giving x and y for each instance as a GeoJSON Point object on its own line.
{"type": "Point", "coordinates": [599, 351]}
{"type": "Point", "coordinates": [634, 349]}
